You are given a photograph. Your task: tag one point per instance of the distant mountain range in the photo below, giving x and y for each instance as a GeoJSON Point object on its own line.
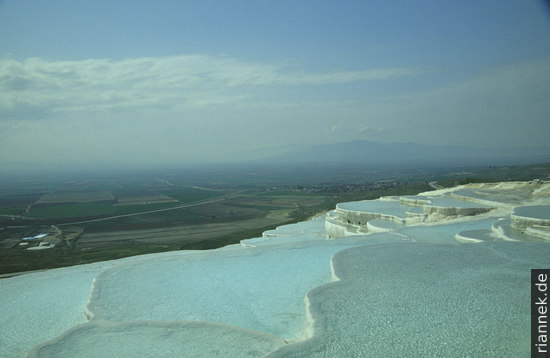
{"type": "Point", "coordinates": [413, 154]}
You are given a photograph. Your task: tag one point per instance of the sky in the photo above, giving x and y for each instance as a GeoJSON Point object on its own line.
{"type": "Point", "coordinates": [171, 82]}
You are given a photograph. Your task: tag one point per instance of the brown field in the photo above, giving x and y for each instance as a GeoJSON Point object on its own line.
{"type": "Point", "coordinates": [283, 202]}
{"type": "Point", "coordinates": [144, 199]}
{"type": "Point", "coordinates": [179, 235]}
{"type": "Point", "coordinates": [224, 210]}
{"type": "Point", "coordinates": [76, 197]}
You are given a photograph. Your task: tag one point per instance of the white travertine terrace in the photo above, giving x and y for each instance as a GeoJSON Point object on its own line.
{"type": "Point", "coordinates": [445, 273]}
{"type": "Point", "coordinates": [446, 205]}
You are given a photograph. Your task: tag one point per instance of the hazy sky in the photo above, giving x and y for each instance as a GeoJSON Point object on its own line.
{"type": "Point", "coordinates": [180, 81]}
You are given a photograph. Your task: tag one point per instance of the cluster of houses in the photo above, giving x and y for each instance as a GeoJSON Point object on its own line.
{"type": "Point", "coordinates": [32, 240]}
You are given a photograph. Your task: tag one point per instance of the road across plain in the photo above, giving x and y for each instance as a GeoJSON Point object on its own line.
{"type": "Point", "coordinates": [196, 203]}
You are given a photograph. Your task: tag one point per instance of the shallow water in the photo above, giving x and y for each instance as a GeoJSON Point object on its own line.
{"type": "Point", "coordinates": [425, 300]}
{"type": "Point", "coordinates": [391, 208]}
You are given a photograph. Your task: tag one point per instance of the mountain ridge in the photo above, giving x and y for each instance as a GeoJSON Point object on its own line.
{"type": "Point", "coordinates": [412, 154]}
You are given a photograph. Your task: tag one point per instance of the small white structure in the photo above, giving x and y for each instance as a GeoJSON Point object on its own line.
{"type": "Point", "coordinates": [42, 246]}
{"type": "Point", "coordinates": [39, 236]}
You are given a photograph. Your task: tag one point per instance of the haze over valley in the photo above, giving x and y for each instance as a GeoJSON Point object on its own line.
{"type": "Point", "coordinates": [274, 178]}
{"type": "Point", "coordinates": [93, 85]}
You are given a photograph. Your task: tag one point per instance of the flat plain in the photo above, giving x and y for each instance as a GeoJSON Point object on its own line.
{"type": "Point", "coordinates": [90, 218]}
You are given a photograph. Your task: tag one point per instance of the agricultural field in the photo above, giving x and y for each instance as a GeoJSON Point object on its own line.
{"type": "Point", "coordinates": [145, 199]}
{"type": "Point", "coordinates": [75, 197]}
{"type": "Point", "coordinates": [85, 219]}
{"type": "Point", "coordinates": [82, 220]}
{"type": "Point", "coordinates": [16, 204]}
{"type": "Point", "coordinates": [191, 194]}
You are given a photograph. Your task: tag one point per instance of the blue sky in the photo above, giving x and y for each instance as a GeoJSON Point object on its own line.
{"type": "Point", "coordinates": [175, 82]}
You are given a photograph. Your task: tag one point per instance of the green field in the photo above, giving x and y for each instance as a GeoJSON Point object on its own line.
{"type": "Point", "coordinates": [90, 209]}
{"type": "Point", "coordinates": [210, 208]}
{"type": "Point", "coordinates": [12, 210]}
{"type": "Point", "coordinates": [125, 201]}
{"type": "Point", "coordinates": [189, 195]}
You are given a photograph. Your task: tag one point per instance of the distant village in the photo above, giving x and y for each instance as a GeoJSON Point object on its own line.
{"type": "Point", "coordinates": [339, 188]}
